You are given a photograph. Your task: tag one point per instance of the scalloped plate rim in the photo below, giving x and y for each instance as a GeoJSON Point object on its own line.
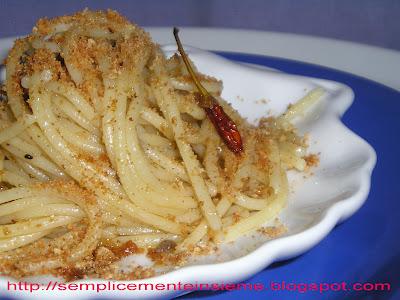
{"type": "Point", "coordinates": [274, 250]}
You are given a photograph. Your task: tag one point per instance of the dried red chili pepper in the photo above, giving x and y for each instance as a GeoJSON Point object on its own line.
{"type": "Point", "coordinates": [224, 125]}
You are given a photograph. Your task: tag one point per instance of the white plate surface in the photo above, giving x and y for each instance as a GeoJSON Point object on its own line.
{"type": "Point", "coordinates": [339, 186]}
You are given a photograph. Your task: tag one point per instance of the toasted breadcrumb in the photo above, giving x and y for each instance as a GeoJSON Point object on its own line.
{"type": "Point", "coordinates": [312, 160]}
{"type": "Point", "coordinates": [124, 52]}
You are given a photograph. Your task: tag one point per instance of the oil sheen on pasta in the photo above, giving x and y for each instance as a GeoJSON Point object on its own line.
{"type": "Point", "coordinates": [105, 153]}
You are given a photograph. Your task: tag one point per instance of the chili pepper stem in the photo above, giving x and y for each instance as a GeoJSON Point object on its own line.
{"type": "Point", "coordinates": [225, 127]}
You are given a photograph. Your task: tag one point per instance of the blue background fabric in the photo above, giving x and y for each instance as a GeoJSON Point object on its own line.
{"type": "Point", "coordinates": [374, 22]}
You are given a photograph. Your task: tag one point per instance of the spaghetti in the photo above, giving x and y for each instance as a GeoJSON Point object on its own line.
{"type": "Point", "coordinates": [104, 145]}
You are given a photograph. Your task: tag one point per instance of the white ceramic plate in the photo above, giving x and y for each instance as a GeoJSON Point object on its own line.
{"type": "Point", "coordinates": [317, 203]}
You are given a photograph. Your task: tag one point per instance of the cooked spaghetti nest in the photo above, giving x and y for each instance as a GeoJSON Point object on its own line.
{"type": "Point", "coordinates": [102, 140]}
